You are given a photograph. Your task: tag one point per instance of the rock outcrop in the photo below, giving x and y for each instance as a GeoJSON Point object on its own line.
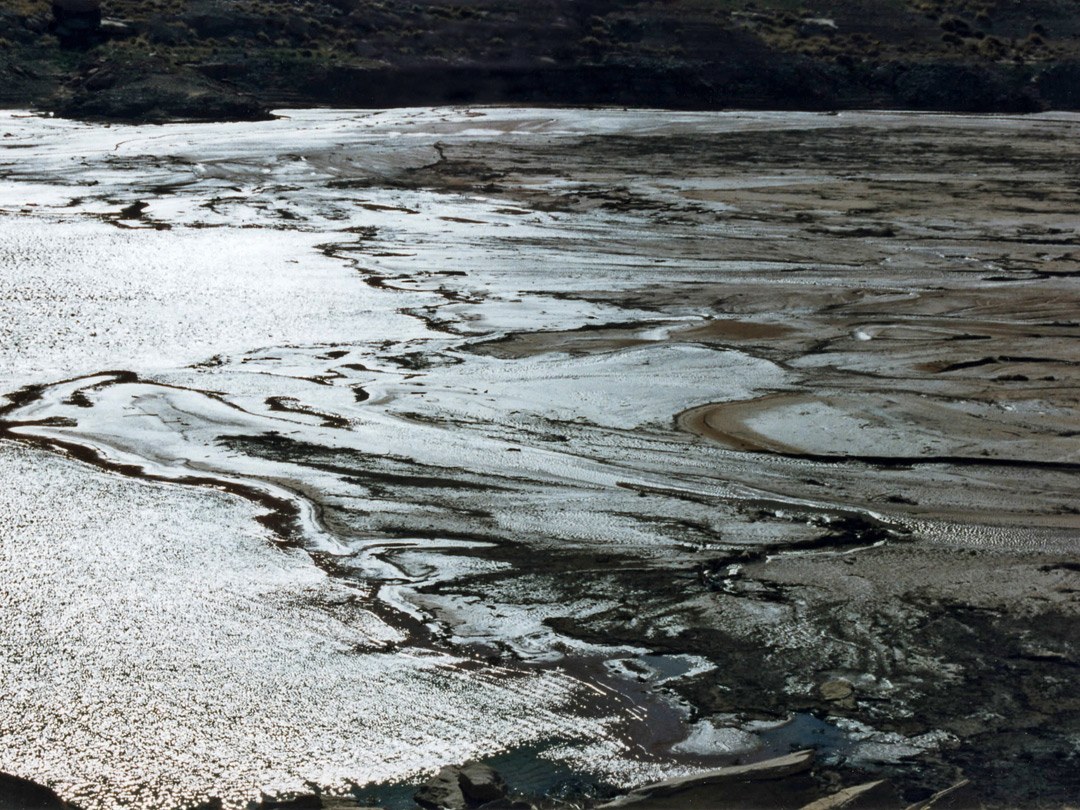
{"type": "Point", "coordinates": [153, 91]}
{"type": "Point", "coordinates": [442, 791]}
{"type": "Point", "coordinates": [457, 787]}
{"type": "Point", "coordinates": [480, 783]}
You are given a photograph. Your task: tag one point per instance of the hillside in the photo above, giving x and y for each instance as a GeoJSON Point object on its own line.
{"type": "Point", "coordinates": [156, 59]}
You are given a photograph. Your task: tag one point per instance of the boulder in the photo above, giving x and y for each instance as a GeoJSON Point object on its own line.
{"type": "Point", "coordinates": [442, 791]}
{"type": "Point", "coordinates": [22, 794]}
{"type": "Point", "coordinates": [836, 690]}
{"type": "Point", "coordinates": [481, 783]}
{"type": "Point", "coordinates": [839, 692]}
{"type": "Point", "coordinates": [457, 787]}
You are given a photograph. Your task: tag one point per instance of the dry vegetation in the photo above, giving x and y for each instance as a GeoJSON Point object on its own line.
{"type": "Point", "coordinates": [596, 31]}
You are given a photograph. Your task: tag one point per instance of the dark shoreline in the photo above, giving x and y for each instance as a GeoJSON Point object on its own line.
{"type": "Point", "coordinates": [1006, 668]}
{"type": "Point", "coordinates": [160, 93]}
{"type": "Point", "coordinates": [215, 60]}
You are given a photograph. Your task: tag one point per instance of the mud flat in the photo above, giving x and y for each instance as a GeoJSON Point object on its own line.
{"type": "Point", "coordinates": [617, 445]}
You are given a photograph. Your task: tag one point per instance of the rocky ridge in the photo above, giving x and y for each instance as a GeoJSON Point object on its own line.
{"type": "Point", "coordinates": [225, 60]}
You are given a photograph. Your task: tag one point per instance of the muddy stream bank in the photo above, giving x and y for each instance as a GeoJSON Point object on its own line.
{"type": "Point", "coordinates": [347, 445]}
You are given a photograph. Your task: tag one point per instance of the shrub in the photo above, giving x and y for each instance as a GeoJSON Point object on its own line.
{"type": "Point", "coordinates": [992, 48]}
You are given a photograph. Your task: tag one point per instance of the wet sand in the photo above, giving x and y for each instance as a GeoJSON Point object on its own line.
{"type": "Point", "coordinates": [710, 408]}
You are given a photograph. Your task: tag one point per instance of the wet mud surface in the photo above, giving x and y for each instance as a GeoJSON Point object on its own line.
{"type": "Point", "coordinates": [645, 441]}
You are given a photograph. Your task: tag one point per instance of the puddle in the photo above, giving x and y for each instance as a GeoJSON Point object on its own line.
{"type": "Point", "coordinates": [526, 770]}
{"type": "Point", "coordinates": [806, 731]}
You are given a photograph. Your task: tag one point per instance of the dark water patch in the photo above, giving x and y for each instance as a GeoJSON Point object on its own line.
{"type": "Point", "coordinates": [528, 773]}
{"type": "Point", "coordinates": [667, 666]}
{"type": "Point", "coordinates": [806, 731]}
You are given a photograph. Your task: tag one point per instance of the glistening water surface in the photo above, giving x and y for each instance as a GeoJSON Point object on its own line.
{"type": "Point", "coordinates": [322, 434]}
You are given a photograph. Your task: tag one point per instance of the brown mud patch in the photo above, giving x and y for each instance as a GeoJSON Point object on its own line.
{"type": "Point", "coordinates": [613, 337]}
